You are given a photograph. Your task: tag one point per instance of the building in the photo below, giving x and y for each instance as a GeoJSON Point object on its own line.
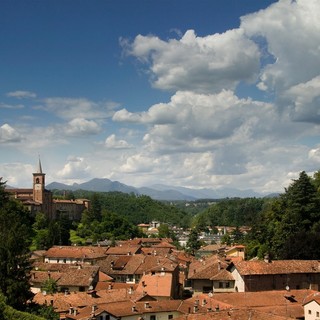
{"type": "Point", "coordinates": [39, 199]}
{"type": "Point", "coordinates": [257, 275]}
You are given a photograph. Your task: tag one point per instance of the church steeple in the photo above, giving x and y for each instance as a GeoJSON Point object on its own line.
{"type": "Point", "coordinates": [39, 170]}
{"type": "Point", "coordinates": [38, 184]}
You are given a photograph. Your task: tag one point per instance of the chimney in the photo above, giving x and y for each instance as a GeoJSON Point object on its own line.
{"type": "Point", "coordinates": [130, 291]}
{"type": "Point", "coordinates": [146, 305]}
{"type": "Point", "coordinates": [133, 309]}
{"type": "Point", "coordinates": [195, 309]}
{"type": "Point", "coordinates": [70, 310]}
{"type": "Point", "coordinates": [267, 258]}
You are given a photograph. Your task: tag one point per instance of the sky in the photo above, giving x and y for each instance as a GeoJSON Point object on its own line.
{"type": "Point", "coordinates": [194, 93]}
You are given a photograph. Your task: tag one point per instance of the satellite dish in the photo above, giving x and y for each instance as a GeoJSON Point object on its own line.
{"type": "Point", "coordinates": [287, 288]}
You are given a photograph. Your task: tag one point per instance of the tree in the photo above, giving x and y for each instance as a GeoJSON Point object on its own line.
{"type": "Point", "coordinates": [50, 286]}
{"type": "Point", "coordinates": [15, 236]}
{"type": "Point", "coordinates": [193, 243]}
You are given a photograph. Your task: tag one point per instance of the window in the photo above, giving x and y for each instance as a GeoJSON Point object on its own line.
{"type": "Point", "coordinates": [152, 317]}
{"type": "Point", "coordinates": [220, 284]}
{"type": "Point", "coordinates": [318, 313]}
{"type": "Point", "coordinates": [227, 284]}
{"type": "Point", "coordinates": [206, 289]}
{"type": "Point", "coordinates": [309, 311]}
{"type": "Point", "coordinates": [170, 316]}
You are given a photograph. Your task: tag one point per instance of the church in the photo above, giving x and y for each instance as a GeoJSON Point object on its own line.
{"type": "Point", "coordinates": [39, 199]}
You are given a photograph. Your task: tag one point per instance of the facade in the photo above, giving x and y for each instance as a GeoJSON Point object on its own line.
{"type": "Point", "coordinates": [275, 275]}
{"type": "Point", "coordinates": [39, 199]}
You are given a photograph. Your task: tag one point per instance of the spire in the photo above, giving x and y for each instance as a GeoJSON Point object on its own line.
{"type": "Point", "coordinates": [39, 170]}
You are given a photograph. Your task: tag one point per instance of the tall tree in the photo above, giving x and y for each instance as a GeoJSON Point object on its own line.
{"type": "Point", "coordinates": [15, 235]}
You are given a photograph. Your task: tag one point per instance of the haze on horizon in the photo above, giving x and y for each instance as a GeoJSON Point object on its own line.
{"type": "Point", "coordinates": [200, 94]}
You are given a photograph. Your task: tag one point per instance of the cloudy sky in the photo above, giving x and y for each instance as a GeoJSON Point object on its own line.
{"type": "Point", "coordinates": [189, 93]}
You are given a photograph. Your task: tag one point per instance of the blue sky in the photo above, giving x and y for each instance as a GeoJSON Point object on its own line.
{"type": "Point", "coordinates": [188, 93]}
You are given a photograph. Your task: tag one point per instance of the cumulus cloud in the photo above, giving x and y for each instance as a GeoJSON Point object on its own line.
{"type": "Point", "coordinates": [113, 143]}
{"type": "Point", "coordinates": [75, 168]}
{"type": "Point", "coordinates": [202, 64]}
{"type": "Point", "coordinates": [9, 174]}
{"type": "Point", "coordinates": [291, 30]}
{"type": "Point", "coordinates": [19, 94]}
{"type": "Point", "coordinates": [196, 121]}
{"type": "Point", "coordinates": [80, 127]}
{"type": "Point", "coordinates": [138, 163]}
{"type": "Point", "coordinates": [9, 135]}
{"type": "Point", "coordinates": [69, 108]}
{"type": "Point", "coordinates": [303, 100]}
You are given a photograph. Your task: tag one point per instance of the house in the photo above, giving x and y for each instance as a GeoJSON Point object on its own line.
{"type": "Point", "coordinates": [209, 274]}
{"type": "Point", "coordinates": [159, 286]}
{"type": "Point", "coordinates": [237, 251]}
{"type": "Point", "coordinates": [74, 254]}
{"type": "Point", "coordinates": [129, 310]}
{"type": "Point", "coordinates": [259, 275]}
{"type": "Point", "coordinates": [68, 278]}
{"type": "Point", "coordinates": [312, 307]}
{"type": "Point", "coordinates": [130, 268]}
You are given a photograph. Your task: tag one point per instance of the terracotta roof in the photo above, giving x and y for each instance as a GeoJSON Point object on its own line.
{"type": "Point", "coordinates": [128, 308]}
{"type": "Point", "coordinates": [155, 251]}
{"type": "Point", "coordinates": [210, 247]}
{"type": "Point", "coordinates": [76, 252]}
{"type": "Point", "coordinates": [156, 285]}
{"type": "Point", "coordinates": [223, 275]}
{"type": "Point", "coordinates": [71, 276]}
{"type": "Point", "coordinates": [206, 268]}
{"type": "Point", "coordinates": [259, 267]}
{"type": "Point", "coordinates": [115, 286]}
{"type": "Point", "coordinates": [62, 302]}
{"type": "Point", "coordinates": [130, 264]}
{"type": "Point", "coordinates": [123, 250]}
{"type": "Point", "coordinates": [156, 264]}
{"type": "Point", "coordinates": [233, 314]}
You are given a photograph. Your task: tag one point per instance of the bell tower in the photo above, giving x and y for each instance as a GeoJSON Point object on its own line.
{"type": "Point", "coordinates": [39, 184]}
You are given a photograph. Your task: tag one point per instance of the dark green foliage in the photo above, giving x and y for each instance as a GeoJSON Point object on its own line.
{"type": "Point", "coordinates": [230, 212]}
{"type": "Point", "coordinates": [111, 226]}
{"type": "Point", "coordinates": [289, 226]}
{"type": "Point", "coordinates": [9, 313]}
{"type": "Point", "coordinates": [15, 235]}
{"type": "Point", "coordinates": [193, 243]}
{"type": "Point", "coordinates": [135, 208]}
{"type": "Point", "coordinates": [48, 233]}
{"type": "Point", "coordinates": [50, 286]}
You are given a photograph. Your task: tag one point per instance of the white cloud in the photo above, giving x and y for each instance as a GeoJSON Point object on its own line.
{"type": "Point", "coordinates": [9, 174]}
{"type": "Point", "coordinates": [202, 64]}
{"type": "Point", "coordinates": [292, 32]}
{"type": "Point", "coordinates": [138, 163]}
{"type": "Point", "coordinates": [11, 106]}
{"type": "Point", "coordinates": [76, 168]}
{"type": "Point", "coordinates": [69, 108]}
{"type": "Point", "coordinates": [19, 94]}
{"type": "Point", "coordinates": [113, 143]}
{"type": "Point", "coordinates": [9, 134]}
{"type": "Point", "coordinates": [81, 127]}
{"type": "Point", "coordinates": [304, 100]}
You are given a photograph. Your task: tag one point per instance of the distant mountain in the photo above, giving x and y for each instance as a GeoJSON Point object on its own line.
{"type": "Point", "coordinates": [157, 191]}
{"type": "Point", "coordinates": [98, 185]}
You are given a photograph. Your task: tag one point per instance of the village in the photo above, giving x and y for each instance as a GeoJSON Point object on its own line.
{"type": "Point", "coordinates": [148, 278]}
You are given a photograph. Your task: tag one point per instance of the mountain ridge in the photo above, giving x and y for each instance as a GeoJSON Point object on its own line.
{"type": "Point", "coordinates": [157, 191]}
